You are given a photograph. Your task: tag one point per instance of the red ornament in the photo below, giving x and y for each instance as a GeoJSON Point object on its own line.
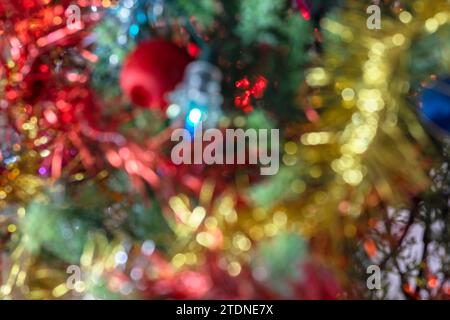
{"type": "Point", "coordinates": [151, 71]}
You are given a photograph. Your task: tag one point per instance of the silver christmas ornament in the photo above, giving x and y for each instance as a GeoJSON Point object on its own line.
{"type": "Point", "coordinates": [198, 98]}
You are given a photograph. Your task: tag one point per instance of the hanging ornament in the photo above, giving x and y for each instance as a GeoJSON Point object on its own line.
{"type": "Point", "coordinates": [435, 108]}
{"type": "Point", "coordinates": [151, 71]}
{"type": "Point", "coordinates": [198, 99]}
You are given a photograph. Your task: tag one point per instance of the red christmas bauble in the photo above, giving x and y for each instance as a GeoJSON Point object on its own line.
{"type": "Point", "coordinates": [151, 71]}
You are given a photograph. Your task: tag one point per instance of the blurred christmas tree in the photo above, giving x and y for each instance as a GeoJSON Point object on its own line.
{"type": "Point", "coordinates": [92, 206]}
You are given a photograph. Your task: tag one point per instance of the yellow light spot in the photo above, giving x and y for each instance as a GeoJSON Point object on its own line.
{"type": "Point", "coordinates": [12, 228]}
{"type": "Point", "coordinates": [205, 239]}
{"type": "Point", "coordinates": [103, 174]}
{"type": "Point", "coordinates": [44, 153]}
{"type": "Point", "coordinates": [21, 278]}
{"type": "Point", "coordinates": [315, 138]}
{"type": "Point", "coordinates": [234, 269]}
{"type": "Point", "coordinates": [2, 195]}
{"type": "Point", "coordinates": [15, 270]}
{"type": "Point", "coordinates": [5, 289]}
{"type": "Point", "coordinates": [398, 39]}
{"type": "Point", "coordinates": [211, 223]}
{"type": "Point", "coordinates": [289, 160]}
{"type": "Point", "coordinates": [21, 212]}
{"type": "Point", "coordinates": [242, 242]}
{"type": "Point", "coordinates": [290, 147]}
{"type": "Point", "coordinates": [231, 216]}
{"type": "Point", "coordinates": [315, 172]}
{"type": "Point", "coordinates": [431, 25]}
{"type": "Point", "coordinates": [60, 290]}
{"type": "Point", "coordinates": [317, 77]}
{"type": "Point", "coordinates": [378, 48]}
{"type": "Point", "coordinates": [270, 229]}
{"type": "Point", "coordinates": [179, 260]}
{"type": "Point", "coordinates": [256, 233]}
{"type": "Point", "coordinates": [298, 186]}
{"type": "Point", "coordinates": [280, 218]}
{"type": "Point", "coordinates": [196, 218]}
{"type": "Point", "coordinates": [348, 94]}
{"type": "Point", "coordinates": [338, 29]}
{"type": "Point", "coordinates": [78, 176]}
{"type": "Point", "coordinates": [191, 258]}
{"type": "Point", "coordinates": [441, 18]}
{"type": "Point", "coordinates": [11, 64]}
{"type": "Point", "coordinates": [359, 146]}
{"type": "Point", "coordinates": [405, 17]}
{"type": "Point", "coordinates": [353, 176]}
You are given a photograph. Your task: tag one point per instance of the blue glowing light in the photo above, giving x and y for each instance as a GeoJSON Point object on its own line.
{"type": "Point", "coordinates": [195, 116]}
{"type": "Point", "coordinates": [134, 30]}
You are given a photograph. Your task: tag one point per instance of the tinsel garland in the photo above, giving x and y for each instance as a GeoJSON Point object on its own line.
{"type": "Point", "coordinates": [340, 169]}
{"type": "Point", "coordinates": [366, 150]}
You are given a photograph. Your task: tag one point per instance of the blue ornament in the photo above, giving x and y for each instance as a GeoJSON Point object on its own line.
{"type": "Point", "coordinates": [435, 107]}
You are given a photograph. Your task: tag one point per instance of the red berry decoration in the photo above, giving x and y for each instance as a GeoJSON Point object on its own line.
{"type": "Point", "coordinates": [151, 71]}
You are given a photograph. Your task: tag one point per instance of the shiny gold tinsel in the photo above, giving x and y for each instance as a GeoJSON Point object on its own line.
{"type": "Point", "coordinates": [367, 151]}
